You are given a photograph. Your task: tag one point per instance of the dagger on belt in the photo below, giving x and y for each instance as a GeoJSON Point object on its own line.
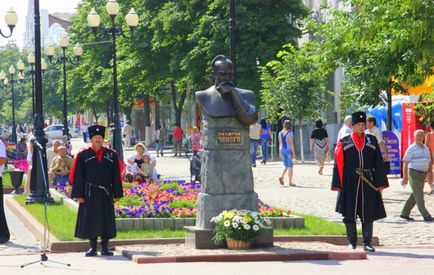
{"type": "Point", "coordinates": [359, 172]}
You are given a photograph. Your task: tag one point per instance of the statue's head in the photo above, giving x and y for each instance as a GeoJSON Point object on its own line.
{"type": "Point", "coordinates": [223, 70]}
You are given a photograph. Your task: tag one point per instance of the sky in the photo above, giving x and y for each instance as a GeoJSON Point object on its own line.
{"type": "Point", "coordinates": [20, 7]}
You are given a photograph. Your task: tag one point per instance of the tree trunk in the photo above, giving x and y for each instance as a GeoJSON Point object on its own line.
{"type": "Point", "coordinates": [108, 114]}
{"type": "Point", "coordinates": [147, 119]}
{"type": "Point", "coordinates": [389, 109]}
{"type": "Point", "coordinates": [128, 112]}
{"type": "Point", "coordinates": [95, 115]}
{"type": "Point", "coordinates": [157, 113]}
{"type": "Point", "coordinates": [301, 141]}
{"type": "Point", "coordinates": [178, 106]}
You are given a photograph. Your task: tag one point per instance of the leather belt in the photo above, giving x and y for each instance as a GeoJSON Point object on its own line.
{"type": "Point", "coordinates": [417, 171]}
{"type": "Point", "coordinates": [103, 188]}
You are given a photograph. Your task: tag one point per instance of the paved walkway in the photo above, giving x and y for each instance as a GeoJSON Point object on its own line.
{"type": "Point", "coordinates": [387, 261]}
{"type": "Point", "coordinates": [311, 196]}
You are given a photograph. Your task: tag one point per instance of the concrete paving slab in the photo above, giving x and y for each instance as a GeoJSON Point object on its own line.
{"type": "Point", "coordinates": [282, 251]}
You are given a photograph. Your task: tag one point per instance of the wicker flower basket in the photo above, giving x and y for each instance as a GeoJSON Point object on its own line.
{"type": "Point", "coordinates": [237, 245]}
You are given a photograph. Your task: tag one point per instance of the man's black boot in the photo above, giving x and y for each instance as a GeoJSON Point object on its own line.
{"type": "Point", "coordinates": [367, 230]}
{"type": "Point", "coordinates": [4, 239]}
{"type": "Point", "coordinates": [351, 235]}
{"type": "Point", "coordinates": [105, 248]}
{"type": "Point", "coordinates": [92, 250]}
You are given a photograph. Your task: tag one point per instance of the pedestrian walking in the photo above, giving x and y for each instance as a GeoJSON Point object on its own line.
{"type": "Point", "coordinates": [96, 184]}
{"type": "Point", "coordinates": [359, 175]}
{"type": "Point", "coordinates": [372, 129]}
{"type": "Point", "coordinates": [287, 152]}
{"type": "Point", "coordinates": [417, 164]}
{"type": "Point", "coordinates": [346, 128]}
{"type": "Point", "coordinates": [4, 230]}
{"type": "Point", "coordinates": [158, 141]}
{"type": "Point", "coordinates": [178, 133]}
{"type": "Point", "coordinates": [128, 133]}
{"type": "Point", "coordinates": [85, 133]}
{"type": "Point", "coordinates": [163, 137]}
{"type": "Point", "coordinates": [266, 138]}
{"type": "Point", "coordinates": [319, 144]}
{"type": "Point", "coordinates": [196, 140]}
{"type": "Point", "coordinates": [255, 136]}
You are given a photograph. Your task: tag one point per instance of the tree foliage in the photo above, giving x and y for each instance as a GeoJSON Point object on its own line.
{"type": "Point", "coordinates": [381, 45]}
{"type": "Point", "coordinates": [174, 44]}
{"type": "Point", "coordinates": [294, 84]}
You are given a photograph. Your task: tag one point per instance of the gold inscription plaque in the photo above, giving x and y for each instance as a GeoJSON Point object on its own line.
{"type": "Point", "coordinates": [229, 137]}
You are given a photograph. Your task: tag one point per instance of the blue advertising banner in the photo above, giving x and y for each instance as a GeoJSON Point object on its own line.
{"type": "Point", "coordinates": [392, 144]}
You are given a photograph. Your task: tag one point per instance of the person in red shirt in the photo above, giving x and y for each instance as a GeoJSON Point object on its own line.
{"type": "Point", "coordinates": [177, 139]}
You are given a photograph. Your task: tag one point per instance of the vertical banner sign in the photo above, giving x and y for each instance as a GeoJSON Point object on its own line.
{"type": "Point", "coordinates": [392, 144]}
{"type": "Point", "coordinates": [409, 124]}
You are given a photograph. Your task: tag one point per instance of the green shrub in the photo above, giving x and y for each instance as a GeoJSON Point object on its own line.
{"type": "Point", "coordinates": [173, 185]}
{"type": "Point", "coordinates": [130, 200]}
{"type": "Point", "coordinates": [182, 204]}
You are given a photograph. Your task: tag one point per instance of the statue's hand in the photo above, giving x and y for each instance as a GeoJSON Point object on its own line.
{"type": "Point", "coordinates": [225, 89]}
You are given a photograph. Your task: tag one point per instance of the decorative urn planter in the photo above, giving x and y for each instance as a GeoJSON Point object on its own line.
{"type": "Point", "coordinates": [16, 180]}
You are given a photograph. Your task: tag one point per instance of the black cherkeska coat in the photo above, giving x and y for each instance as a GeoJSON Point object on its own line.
{"type": "Point", "coordinates": [356, 198]}
{"type": "Point", "coordinates": [96, 215]}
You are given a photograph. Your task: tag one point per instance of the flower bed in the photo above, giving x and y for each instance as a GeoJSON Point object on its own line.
{"type": "Point", "coordinates": [168, 198]}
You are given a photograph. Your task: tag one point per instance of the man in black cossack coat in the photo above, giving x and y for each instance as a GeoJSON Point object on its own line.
{"type": "Point", "coordinates": [96, 184]}
{"type": "Point", "coordinates": [359, 174]}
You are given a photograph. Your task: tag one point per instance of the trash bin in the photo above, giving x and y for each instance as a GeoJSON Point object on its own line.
{"type": "Point", "coordinates": [16, 180]}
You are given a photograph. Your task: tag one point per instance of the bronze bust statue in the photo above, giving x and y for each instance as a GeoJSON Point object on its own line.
{"type": "Point", "coordinates": [223, 99]}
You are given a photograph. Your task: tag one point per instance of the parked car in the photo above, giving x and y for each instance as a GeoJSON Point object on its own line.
{"type": "Point", "coordinates": [56, 131]}
{"type": "Point", "coordinates": [5, 133]}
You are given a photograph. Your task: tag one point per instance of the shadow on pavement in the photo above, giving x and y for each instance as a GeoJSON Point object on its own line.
{"type": "Point", "coordinates": [403, 255]}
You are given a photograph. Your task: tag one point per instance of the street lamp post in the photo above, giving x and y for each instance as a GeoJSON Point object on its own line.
{"type": "Point", "coordinates": [6, 81]}
{"type": "Point", "coordinates": [11, 19]}
{"type": "Point", "coordinates": [38, 189]}
{"type": "Point", "coordinates": [21, 67]}
{"type": "Point", "coordinates": [3, 78]}
{"type": "Point", "coordinates": [132, 19]}
{"type": "Point", "coordinates": [63, 59]}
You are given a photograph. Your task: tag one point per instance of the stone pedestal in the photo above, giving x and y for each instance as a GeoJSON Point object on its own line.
{"type": "Point", "coordinates": [200, 238]}
{"type": "Point", "coordinates": [226, 172]}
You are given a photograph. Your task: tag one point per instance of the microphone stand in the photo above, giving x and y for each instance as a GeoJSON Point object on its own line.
{"type": "Point", "coordinates": [44, 257]}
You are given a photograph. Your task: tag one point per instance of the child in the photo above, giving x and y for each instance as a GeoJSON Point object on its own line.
{"type": "Point", "coordinates": [132, 173]}
{"type": "Point", "coordinates": [60, 167]}
{"type": "Point", "coordinates": [147, 168]}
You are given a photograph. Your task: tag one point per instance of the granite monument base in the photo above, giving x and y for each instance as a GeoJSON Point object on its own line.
{"type": "Point", "coordinates": [201, 238]}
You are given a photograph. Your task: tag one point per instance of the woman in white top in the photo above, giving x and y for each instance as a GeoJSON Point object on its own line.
{"type": "Point", "coordinates": [137, 159]}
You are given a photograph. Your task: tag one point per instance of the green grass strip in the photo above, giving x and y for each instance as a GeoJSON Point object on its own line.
{"type": "Point", "coordinates": [313, 226]}
{"type": "Point", "coordinates": [62, 224]}
{"type": "Point", "coordinates": [60, 217]}
{"type": "Point", "coordinates": [6, 179]}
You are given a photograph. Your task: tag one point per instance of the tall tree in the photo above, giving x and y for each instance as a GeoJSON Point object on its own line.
{"type": "Point", "coordinates": [176, 40]}
{"type": "Point", "coordinates": [381, 45]}
{"type": "Point", "coordinates": [294, 85]}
